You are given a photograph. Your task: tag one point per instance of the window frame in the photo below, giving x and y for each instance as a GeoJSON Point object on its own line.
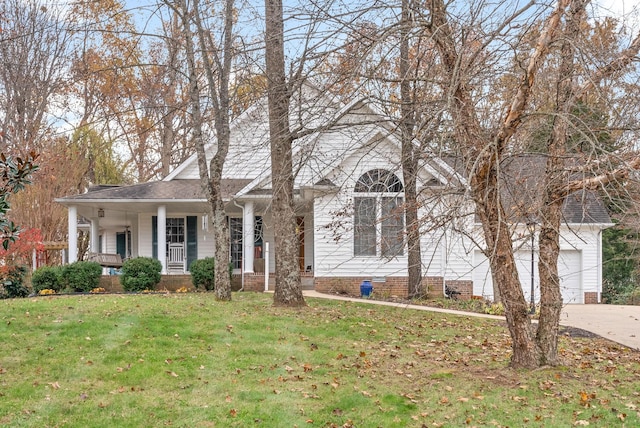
{"type": "Point", "coordinates": [380, 234]}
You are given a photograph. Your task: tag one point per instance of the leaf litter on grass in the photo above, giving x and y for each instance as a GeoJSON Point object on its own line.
{"type": "Point", "coordinates": [331, 364]}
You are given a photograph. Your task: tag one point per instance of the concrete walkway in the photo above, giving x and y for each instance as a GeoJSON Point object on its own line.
{"type": "Point", "coordinates": [620, 324]}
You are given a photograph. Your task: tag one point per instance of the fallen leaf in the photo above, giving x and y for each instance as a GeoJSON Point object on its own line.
{"type": "Point", "coordinates": [169, 372]}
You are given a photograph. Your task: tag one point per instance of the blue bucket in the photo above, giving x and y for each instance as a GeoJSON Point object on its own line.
{"type": "Point", "coordinates": [366, 288]}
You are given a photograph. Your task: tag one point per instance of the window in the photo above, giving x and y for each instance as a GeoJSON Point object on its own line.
{"type": "Point", "coordinates": [175, 231]}
{"type": "Point", "coordinates": [258, 237]}
{"type": "Point", "coordinates": [235, 229]}
{"type": "Point", "coordinates": [378, 215]}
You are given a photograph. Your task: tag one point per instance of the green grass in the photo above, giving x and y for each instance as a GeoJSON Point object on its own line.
{"type": "Point", "coordinates": [186, 360]}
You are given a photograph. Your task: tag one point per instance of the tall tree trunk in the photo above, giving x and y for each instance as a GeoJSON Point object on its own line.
{"type": "Point", "coordinates": [552, 199]}
{"type": "Point", "coordinates": [503, 266]}
{"type": "Point", "coordinates": [409, 163]}
{"type": "Point", "coordinates": [220, 67]}
{"type": "Point", "coordinates": [211, 175]}
{"type": "Point", "coordinates": [288, 291]}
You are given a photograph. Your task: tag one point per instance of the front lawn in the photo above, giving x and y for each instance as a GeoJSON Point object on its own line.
{"type": "Point", "coordinates": [187, 360]}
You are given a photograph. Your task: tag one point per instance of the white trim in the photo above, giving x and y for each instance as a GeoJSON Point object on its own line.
{"type": "Point", "coordinates": [73, 233]}
{"type": "Point", "coordinates": [162, 236]}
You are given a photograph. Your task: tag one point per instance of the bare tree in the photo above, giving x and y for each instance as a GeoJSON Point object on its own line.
{"type": "Point", "coordinates": [216, 59]}
{"type": "Point", "coordinates": [288, 291]}
{"type": "Point", "coordinates": [484, 148]}
{"type": "Point", "coordinates": [34, 47]}
{"type": "Point", "coordinates": [409, 159]}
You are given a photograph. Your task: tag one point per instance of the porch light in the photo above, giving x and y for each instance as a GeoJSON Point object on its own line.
{"type": "Point", "coordinates": [100, 212]}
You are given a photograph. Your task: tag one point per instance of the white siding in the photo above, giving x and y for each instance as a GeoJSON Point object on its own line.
{"type": "Point", "coordinates": [334, 252]}
{"type": "Point", "coordinates": [145, 244]}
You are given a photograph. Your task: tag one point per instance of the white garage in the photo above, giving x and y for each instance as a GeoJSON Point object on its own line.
{"type": "Point", "coordinates": [569, 269]}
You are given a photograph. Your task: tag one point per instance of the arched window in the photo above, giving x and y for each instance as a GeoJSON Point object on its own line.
{"type": "Point", "coordinates": [378, 214]}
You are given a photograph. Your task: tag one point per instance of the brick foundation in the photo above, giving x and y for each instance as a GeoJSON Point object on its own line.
{"type": "Point", "coordinates": [433, 286]}
{"type": "Point", "coordinates": [255, 281]}
{"type": "Point", "coordinates": [392, 286]}
{"type": "Point", "coordinates": [465, 288]}
{"type": "Point", "coordinates": [389, 286]}
{"type": "Point", "coordinates": [111, 283]}
{"type": "Point", "coordinates": [590, 297]}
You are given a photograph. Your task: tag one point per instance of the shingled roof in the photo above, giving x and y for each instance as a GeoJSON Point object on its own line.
{"type": "Point", "coordinates": [158, 190]}
{"type": "Point", "coordinates": [521, 189]}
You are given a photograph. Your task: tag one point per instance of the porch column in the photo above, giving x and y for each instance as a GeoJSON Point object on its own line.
{"type": "Point", "coordinates": [162, 237]}
{"type": "Point", "coordinates": [247, 238]}
{"type": "Point", "coordinates": [95, 235]}
{"type": "Point", "coordinates": [73, 233]}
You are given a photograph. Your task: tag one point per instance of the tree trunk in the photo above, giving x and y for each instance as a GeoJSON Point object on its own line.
{"type": "Point", "coordinates": [550, 295]}
{"type": "Point", "coordinates": [218, 79]}
{"type": "Point", "coordinates": [211, 176]}
{"type": "Point", "coordinates": [552, 200]}
{"type": "Point", "coordinates": [526, 353]}
{"type": "Point", "coordinates": [409, 163]}
{"type": "Point", "coordinates": [287, 290]}
{"type": "Point", "coordinates": [483, 176]}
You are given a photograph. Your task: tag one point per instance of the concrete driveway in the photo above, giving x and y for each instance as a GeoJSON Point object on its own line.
{"type": "Point", "coordinates": [614, 322]}
{"type": "Point", "coordinates": [618, 323]}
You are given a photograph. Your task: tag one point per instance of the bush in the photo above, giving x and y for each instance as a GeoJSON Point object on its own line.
{"type": "Point", "coordinates": [202, 273]}
{"type": "Point", "coordinates": [81, 276]}
{"type": "Point", "coordinates": [140, 273]}
{"type": "Point", "coordinates": [13, 283]}
{"type": "Point", "coordinates": [47, 278]}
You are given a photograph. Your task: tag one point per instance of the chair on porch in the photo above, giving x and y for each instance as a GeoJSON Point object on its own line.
{"type": "Point", "coordinates": [176, 261]}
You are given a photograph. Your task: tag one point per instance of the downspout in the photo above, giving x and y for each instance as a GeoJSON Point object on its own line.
{"type": "Point", "coordinates": [242, 263]}
{"type": "Point", "coordinates": [599, 264]}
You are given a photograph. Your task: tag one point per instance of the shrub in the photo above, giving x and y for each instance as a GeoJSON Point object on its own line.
{"type": "Point", "coordinates": [47, 278]}
{"type": "Point", "coordinates": [13, 283]}
{"type": "Point", "coordinates": [81, 276]}
{"type": "Point", "coordinates": [202, 273]}
{"type": "Point", "coordinates": [140, 273]}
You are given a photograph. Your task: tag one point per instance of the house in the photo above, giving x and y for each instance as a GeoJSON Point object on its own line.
{"type": "Point", "coordinates": [348, 201]}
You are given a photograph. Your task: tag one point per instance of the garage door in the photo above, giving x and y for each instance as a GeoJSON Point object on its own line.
{"type": "Point", "coordinates": [569, 269]}
{"type": "Point", "coordinates": [570, 272]}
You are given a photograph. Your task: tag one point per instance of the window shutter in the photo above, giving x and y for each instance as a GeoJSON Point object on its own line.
{"type": "Point", "coordinates": [192, 239]}
{"type": "Point", "coordinates": [154, 236]}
